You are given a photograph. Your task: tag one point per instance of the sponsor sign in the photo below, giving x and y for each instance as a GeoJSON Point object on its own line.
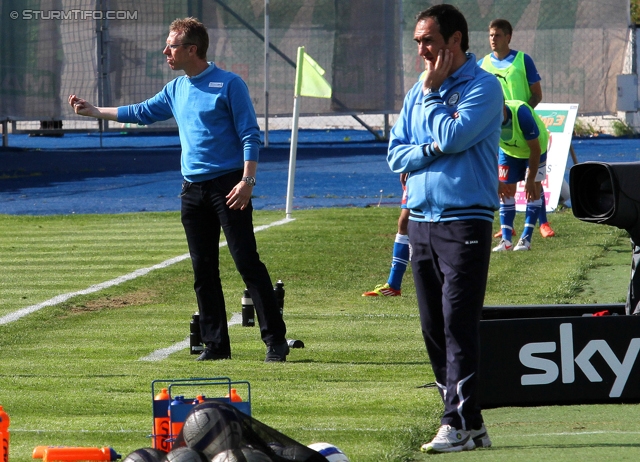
{"type": "Point", "coordinates": [559, 119]}
{"type": "Point", "coordinates": [563, 360]}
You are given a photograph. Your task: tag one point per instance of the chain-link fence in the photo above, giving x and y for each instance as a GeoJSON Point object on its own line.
{"type": "Point", "coordinates": [110, 53]}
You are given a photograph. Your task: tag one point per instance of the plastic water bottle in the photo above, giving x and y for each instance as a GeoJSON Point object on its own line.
{"type": "Point", "coordinates": [176, 426]}
{"type": "Point", "coordinates": [161, 421]}
{"type": "Point", "coordinates": [294, 343]}
{"type": "Point", "coordinates": [248, 312]}
{"type": "Point", "coordinates": [71, 453]}
{"type": "Point", "coordinates": [4, 435]}
{"type": "Point", "coordinates": [195, 340]}
{"type": "Point", "coordinates": [233, 396]}
{"type": "Point", "coordinates": [279, 291]}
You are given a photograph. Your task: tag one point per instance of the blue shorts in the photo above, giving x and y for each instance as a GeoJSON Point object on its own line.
{"type": "Point", "coordinates": [513, 169]}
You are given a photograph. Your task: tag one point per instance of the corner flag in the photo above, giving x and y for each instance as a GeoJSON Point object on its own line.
{"type": "Point", "coordinates": [309, 77]}
{"type": "Point", "coordinates": [309, 82]}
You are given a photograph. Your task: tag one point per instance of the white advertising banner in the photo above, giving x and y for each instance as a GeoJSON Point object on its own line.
{"type": "Point", "coordinates": [559, 119]}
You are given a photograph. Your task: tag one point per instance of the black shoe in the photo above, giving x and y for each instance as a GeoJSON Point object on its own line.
{"type": "Point", "coordinates": [277, 353]}
{"type": "Point", "coordinates": [211, 355]}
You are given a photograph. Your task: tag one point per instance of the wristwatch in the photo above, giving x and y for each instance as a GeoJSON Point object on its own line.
{"type": "Point", "coordinates": [430, 90]}
{"type": "Point", "coordinates": [250, 180]}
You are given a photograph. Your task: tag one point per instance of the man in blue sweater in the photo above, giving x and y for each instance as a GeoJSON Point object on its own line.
{"type": "Point", "coordinates": [220, 141]}
{"type": "Point", "coordinates": [446, 139]}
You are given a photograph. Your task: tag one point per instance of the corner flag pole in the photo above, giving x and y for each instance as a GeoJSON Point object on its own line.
{"type": "Point", "coordinates": [294, 132]}
{"type": "Point", "coordinates": [309, 82]}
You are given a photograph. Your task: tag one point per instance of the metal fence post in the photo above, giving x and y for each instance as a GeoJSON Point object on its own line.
{"type": "Point", "coordinates": [266, 73]}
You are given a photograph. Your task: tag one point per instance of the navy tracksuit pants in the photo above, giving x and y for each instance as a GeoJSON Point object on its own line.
{"type": "Point", "coordinates": [450, 263]}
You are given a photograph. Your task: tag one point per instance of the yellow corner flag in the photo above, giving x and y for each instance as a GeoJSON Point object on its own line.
{"type": "Point", "coordinates": [309, 80]}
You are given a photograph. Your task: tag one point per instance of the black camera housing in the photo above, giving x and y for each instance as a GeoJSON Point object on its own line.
{"type": "Point", "coordinates": [609, 194]}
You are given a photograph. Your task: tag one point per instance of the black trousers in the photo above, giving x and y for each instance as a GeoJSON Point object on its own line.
{"type": "Point", "coordinates": [204, 212]}
{"type": "Point", "coordinates": [450, 263]}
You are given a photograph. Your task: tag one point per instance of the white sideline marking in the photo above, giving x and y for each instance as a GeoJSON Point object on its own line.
{"type": "Point", "coordinates": [163, 353]}
{"type": "Point", "coordinates": [95, 288]}
{"type": "Point", "coordinates": [493, 437]}
{"type": "Point", "coordinates": [595, 432]}
{"type": "Point", "coordinates": [113, 282]}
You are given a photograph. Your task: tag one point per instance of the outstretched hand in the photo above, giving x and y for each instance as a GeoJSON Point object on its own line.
{"type": "Point", "coordinates": [81, 106]}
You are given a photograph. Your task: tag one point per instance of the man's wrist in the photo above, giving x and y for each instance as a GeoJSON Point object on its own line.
{"type": "Point", "coordinates": [430, 89]}
{"type": "Point", "coordinates": [428, 150]}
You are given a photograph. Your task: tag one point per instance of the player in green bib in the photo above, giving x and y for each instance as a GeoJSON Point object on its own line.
{"type": "Point", "coordinates": [522, 157]}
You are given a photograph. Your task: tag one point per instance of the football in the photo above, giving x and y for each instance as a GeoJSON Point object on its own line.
{"type": "Point", "coordinates": [211, 430]}
{"type": "Point", "coordinates": [145, 455]}
{"type": "Point", "coordinates": [329, 452]}
{"type": "Point", "coordinates": [184, 454]}
{"type": "Point", "coordinates": [241, 455]}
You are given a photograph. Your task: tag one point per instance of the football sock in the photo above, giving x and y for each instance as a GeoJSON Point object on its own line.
{"type": "Point", "coordinates": [399, 261]}
{"type": "Point", "coordinates": [507, 216]}
{"type": "Point", "coordinates": [531, 216]}
{"type": "Point", "coordinates": [543, 207]}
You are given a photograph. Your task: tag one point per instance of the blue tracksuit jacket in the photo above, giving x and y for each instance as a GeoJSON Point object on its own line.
{"type": "Point", "coordinates": [462, 181]}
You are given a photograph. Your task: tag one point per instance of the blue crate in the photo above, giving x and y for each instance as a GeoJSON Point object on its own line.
{"type": "Point", "coordinates": [213, 389]}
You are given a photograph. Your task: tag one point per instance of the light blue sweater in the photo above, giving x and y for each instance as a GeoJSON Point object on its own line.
{"type": "Point", "coordinates": [216, 119]}
{"type": "Point", "coordinates": [461, 182]}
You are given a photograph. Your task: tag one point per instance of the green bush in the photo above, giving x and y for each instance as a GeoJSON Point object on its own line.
{"type": "Point", "coordinates": [621, 128]}
{"type": "Point", "coordinates": [582, 128]}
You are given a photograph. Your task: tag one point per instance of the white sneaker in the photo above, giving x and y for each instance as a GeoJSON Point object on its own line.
{"type": "Point", "coordinates": [504, 245]}
{"type": "Point", "coordinates": [449, 439]}
{"type": "Point", "coordinates": [522, 244]}
{"type": "Point", "coordinates": [481, 438]}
